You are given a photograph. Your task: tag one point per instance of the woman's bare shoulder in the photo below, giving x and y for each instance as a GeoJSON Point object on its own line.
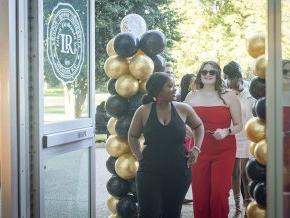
{"type": "Point", "coordinates": [191, 96]}
{"type": "Point", "coordinates": [144, 108]}
{"type": "Point", "coordinates": [229, 96]}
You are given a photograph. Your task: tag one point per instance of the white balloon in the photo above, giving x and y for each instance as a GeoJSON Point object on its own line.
{"type": "Point", "coordinates": [133, 23]}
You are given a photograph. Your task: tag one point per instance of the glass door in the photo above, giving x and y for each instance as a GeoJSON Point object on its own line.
{"type": "Point", "coordinates": [62, 99]}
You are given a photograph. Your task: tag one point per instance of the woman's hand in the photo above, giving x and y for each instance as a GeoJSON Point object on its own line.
{"type": "Point", "coordinates": [192, 157]}
{"type": "Point", "coordinates": [220, 133]}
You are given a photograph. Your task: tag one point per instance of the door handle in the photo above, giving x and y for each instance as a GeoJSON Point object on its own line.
{"type": "Point", "coordinates": [60, 138]}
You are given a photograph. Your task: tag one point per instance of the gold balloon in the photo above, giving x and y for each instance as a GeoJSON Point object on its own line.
{"type": "Point", "coordinates": [117, 146]}
{"type": "Point", "coordinates": [111, 125]}
{"type": "Point", "coordinates": [141, 66]}
{"type": "Point", "coordinates": [255, 211]}
{"type": "Point", "coordinates": [255, 129]}
{"type": "Point", "coordinates": [126, 166]}
{"type": "Point", "coordinates": [260, 67]}
{"type": "Point", "coordinates": [127, 86]}
{"type": "Point", "coordinates": [112, 204]}
{"type": "Point", "coordinates": [252, 148]}
{"type": "Point", "coordinates": [261, 152]}
{"type": "Point", "coordinates": [256, 45]}
{"type": "Point", "coordinates": [140, 52]}
{"type": "Point", "coordinates": [142, 141]}
{"type": "Point", "coordinates": [110, 48]}
{"type": "Point", "coordinates": [115, 215]}
{"type": "Point", "coordinates": [142, 86]}
{"type": "Point", "coordinates": [116, 66]}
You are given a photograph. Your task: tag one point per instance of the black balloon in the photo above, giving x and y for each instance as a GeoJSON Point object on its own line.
{"type": "Point", "coordinates": [257, 87]}
{"type": "Point", "coordinates": [111, 86]}
{"type": "Point", "coordinates": [125, 44]}
{"type": "Point", "coordinates": [126, 207]}
{"type": "Point", "coordinates": [260, 108]}
{"type": "Point", "coordinates": [117, 186]}
{"type": "Point", "coordinates": [253, 109]}
{"type": "Point", "coordinates": [122, 126]}
{"type": "Point", "coordinates": [159, 63]}
{"type": "Point", "coordinates": [152, 42]}
{"type": "Point", "coordinates": [260, 194]}
{"type": "Point", "coordinates": [110, 164]}
{"type": "Point", "coordinates": [251, 186]}
{"type": "Point", "coordinates": [133, 188]}
{"type": "Point", "coordinates": [116, 106]}
{"type": "Point", "coordinates": [135, 102]}
{"type": "Point", "coordinates": [255, 171]}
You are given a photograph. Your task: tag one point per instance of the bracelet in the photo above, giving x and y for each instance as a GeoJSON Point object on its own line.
{"type": "Point", "coordinates": [196, 148]}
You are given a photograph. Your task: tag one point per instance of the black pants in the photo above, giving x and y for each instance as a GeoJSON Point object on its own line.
{"type": "Point", "coordinates": [161, 196]}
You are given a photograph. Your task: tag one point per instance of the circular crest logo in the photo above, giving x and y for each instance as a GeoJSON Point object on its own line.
{"type": "Point", "coordinates": [65, 42]}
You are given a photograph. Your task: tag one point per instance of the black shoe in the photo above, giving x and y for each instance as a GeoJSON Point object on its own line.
{"type": "Point", "coordinates": [187, 201]}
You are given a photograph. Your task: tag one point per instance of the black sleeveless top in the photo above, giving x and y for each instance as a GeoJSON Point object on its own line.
{"type": "Point", "coordinates": [165, 151]}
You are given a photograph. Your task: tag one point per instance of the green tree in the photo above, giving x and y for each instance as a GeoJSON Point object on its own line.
{"type": "Point", "coordinates": [157, 13]}
{"type": "Point", "coordinates": [218, 30]}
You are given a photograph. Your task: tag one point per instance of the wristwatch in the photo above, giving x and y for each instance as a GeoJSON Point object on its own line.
{"type": "Point", "coordinates": [230, 131]}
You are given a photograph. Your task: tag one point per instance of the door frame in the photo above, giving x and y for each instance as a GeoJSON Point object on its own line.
{"type": "Point", "coordinates": [38, 153]}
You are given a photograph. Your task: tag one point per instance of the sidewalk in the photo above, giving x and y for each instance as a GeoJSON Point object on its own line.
{"type": "Point", "coordinates": [102, 176]}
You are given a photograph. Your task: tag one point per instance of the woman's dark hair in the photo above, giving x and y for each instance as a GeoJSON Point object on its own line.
{"type": "Point", "coordinates": [154, 85]}
{"type": "Point", "coordinates": [219, 82]}
{"type": "Point", "coordinates": [184, 85]}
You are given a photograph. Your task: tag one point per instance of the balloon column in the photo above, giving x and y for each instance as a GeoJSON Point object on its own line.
{"type": "Point", "coordinates": [133, 57]}
{"type": "Point", "coordinates": [256, 131]}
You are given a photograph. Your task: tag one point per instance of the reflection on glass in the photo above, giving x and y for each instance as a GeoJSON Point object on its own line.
{"type": "Point", "coordinates": [67, 185]}
{"type": "Point", "coordinates": [65, 60]}
{"type": "Point", "coordinates": [286, 102]}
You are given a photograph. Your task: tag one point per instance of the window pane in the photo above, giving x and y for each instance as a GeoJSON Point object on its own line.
{"type": "Point", "coordinates": [67, 185]}
{"type": "Point", "coordinates": [65, 60]}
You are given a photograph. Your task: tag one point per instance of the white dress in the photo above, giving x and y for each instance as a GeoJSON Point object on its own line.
{"type": "Point", "coordinates": [243, 143]}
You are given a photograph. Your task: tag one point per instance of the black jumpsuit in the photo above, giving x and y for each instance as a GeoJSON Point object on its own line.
{"type": "Point", "coordinates": [163, 177]}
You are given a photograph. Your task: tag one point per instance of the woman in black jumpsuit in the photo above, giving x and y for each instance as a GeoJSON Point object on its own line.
{"type": "Point", "coordinates": [164, 173]}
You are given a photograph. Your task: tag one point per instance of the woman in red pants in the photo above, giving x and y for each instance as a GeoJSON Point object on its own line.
{"type": "Point", "coordinates": [211, 175]}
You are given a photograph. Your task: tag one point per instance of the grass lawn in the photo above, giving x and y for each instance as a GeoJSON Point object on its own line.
{"type": "Point", "coordinates": [100, 137]}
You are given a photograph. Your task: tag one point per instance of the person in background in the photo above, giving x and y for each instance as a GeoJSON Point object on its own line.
{"type": "Point", "coordinates": [101, 119]}
{"type": "Point", "coordinates": [164, 173]}
{"type": "Point", "coordinates": [235, 83]}
{"type": "Point", "coordinates": [211, 175]}
{"type": "Point", "coordinates": [185, 87]}
{"type": "Point", "coordinates": [229, 68]}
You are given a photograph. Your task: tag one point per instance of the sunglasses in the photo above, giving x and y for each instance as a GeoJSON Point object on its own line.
{"type": "Point", "coordinates": [285, 72]}
{"type": "Point", "coordinates": [210, 72]}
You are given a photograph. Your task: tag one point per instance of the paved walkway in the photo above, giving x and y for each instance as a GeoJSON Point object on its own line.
{"type": "Point", "coordinates": [103, 175]}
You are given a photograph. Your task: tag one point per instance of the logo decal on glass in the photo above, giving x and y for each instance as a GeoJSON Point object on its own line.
{"type": "Point", "coordinates": [65, 42]}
